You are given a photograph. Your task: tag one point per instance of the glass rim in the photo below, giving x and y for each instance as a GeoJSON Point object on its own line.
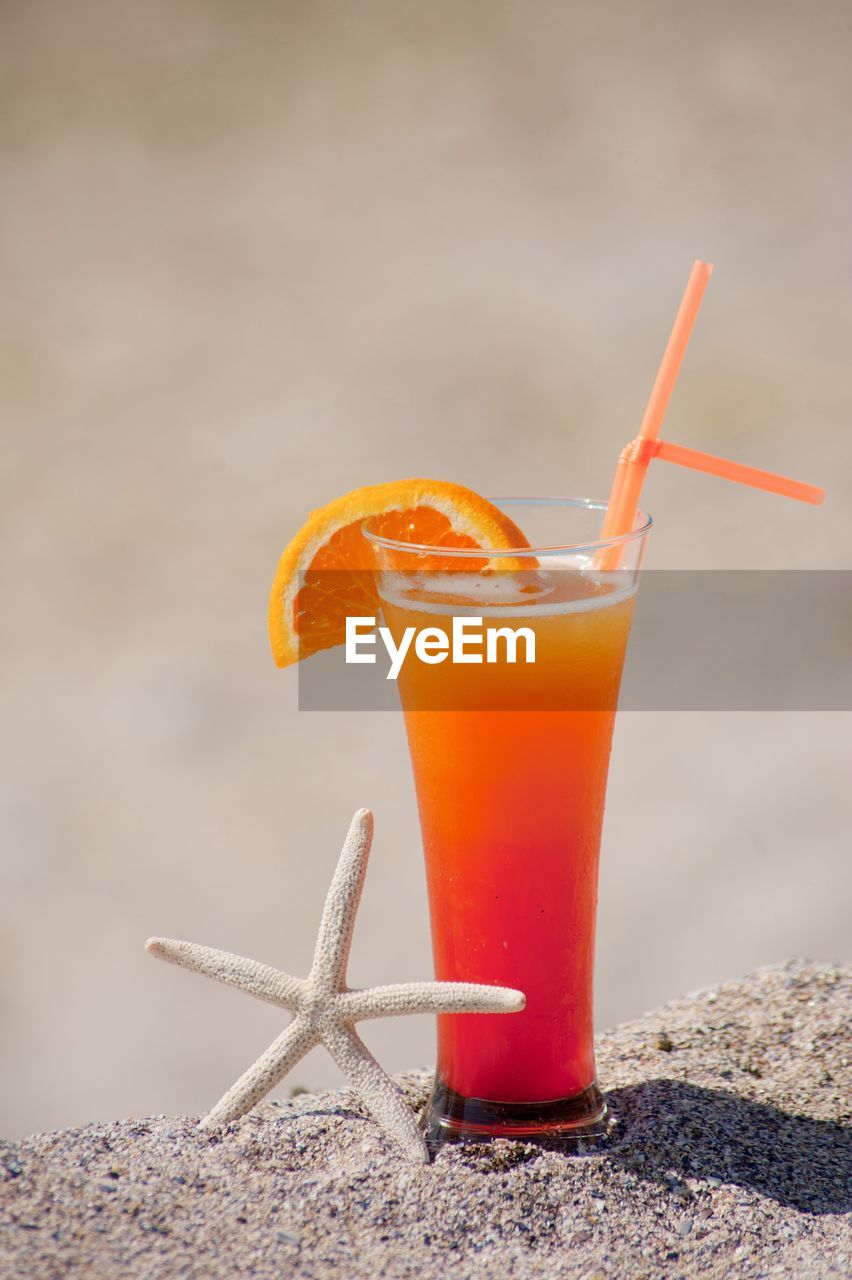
{"type": "Point", "coordinates": [588, 504]}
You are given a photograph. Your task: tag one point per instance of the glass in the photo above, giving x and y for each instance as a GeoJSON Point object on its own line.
{"type": "Point", "coordinates": [510, 765]}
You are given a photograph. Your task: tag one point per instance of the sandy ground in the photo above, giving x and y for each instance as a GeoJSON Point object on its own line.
{"type": "Point", "coordinates": [726, 1155]}
{"type": "Point", "coordinates": [255, 254]}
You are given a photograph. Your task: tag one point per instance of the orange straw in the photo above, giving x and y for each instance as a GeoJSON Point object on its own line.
{"type": "Point", "coordinates": [634, 460]}
{"type": "Point", "coordinates": [737, 471]}
{"type": "Point", "coordinates": [629, 475]}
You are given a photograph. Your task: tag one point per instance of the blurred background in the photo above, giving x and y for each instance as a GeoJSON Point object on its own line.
{"type": "Point", "coordinates": [255, 254]}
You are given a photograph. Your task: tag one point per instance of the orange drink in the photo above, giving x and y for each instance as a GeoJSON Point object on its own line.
{"type": "Point", "coordinates": [510, 764]}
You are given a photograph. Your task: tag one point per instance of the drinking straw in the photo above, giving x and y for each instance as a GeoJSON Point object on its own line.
{"type": "Point", "coordinates": [754, 476]}
{"type": "Point", "coordinates": [634, 460]}
{"type": "Point", "coordinates": [630, 471]}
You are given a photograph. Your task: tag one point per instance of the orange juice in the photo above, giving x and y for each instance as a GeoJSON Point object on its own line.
{"type": "Point", "coordinates": [510, 765]}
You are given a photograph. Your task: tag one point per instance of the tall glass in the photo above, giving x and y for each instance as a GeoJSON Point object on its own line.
{"type": "Point", "coordinates": [510, 765]}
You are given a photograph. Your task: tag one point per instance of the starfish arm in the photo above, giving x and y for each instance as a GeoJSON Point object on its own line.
{"type": "Point", "coordinates": [427, 997]}
{"type": "Point", "coordinates": [338, 918]}
{"type": "Point", "coordinates": [271, 1067]}
{"type": "Point", "coordinates": [377, 1090]}
{"type": "Point", "coordinates": [235, 971]}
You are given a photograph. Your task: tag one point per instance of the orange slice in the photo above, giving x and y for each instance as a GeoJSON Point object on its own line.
{"type": "Point", "coordinates": [306, 615]}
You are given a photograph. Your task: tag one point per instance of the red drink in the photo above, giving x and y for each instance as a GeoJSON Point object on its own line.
{"type": "Point", "coordinates": [510, 765]}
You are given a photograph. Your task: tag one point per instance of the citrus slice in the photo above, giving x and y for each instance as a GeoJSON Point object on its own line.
{"type": "Point", "coordinates": [306, 615]}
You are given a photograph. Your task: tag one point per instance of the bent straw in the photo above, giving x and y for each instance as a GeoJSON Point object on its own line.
{"type": "Point", "coordinates": [633, 461]}
{"type": "Point", "coordinates": [630, 473]}
{"type": "Point", "coordinates": [726, 470]}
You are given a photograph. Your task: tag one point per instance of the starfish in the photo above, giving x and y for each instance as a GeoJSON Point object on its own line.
{"type": "Point", "coordinates": [326, 1009]}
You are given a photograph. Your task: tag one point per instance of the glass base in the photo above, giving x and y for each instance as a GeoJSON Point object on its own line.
{"type": "Point", "coordinates": [566, 1124]}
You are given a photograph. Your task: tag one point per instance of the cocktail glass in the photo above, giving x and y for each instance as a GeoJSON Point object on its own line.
{"type": "Point", "coordinates": [510, 765]}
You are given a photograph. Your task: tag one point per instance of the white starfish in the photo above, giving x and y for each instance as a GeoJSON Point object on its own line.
{"type": "Point", "coordinates": [326, 1008]}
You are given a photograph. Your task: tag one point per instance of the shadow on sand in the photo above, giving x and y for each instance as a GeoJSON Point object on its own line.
{"type": "Point", "coordinates": [666, 1126]}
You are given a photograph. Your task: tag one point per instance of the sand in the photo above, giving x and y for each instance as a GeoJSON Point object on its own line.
{"type": "Point", "coordinates": [726, 1157]}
